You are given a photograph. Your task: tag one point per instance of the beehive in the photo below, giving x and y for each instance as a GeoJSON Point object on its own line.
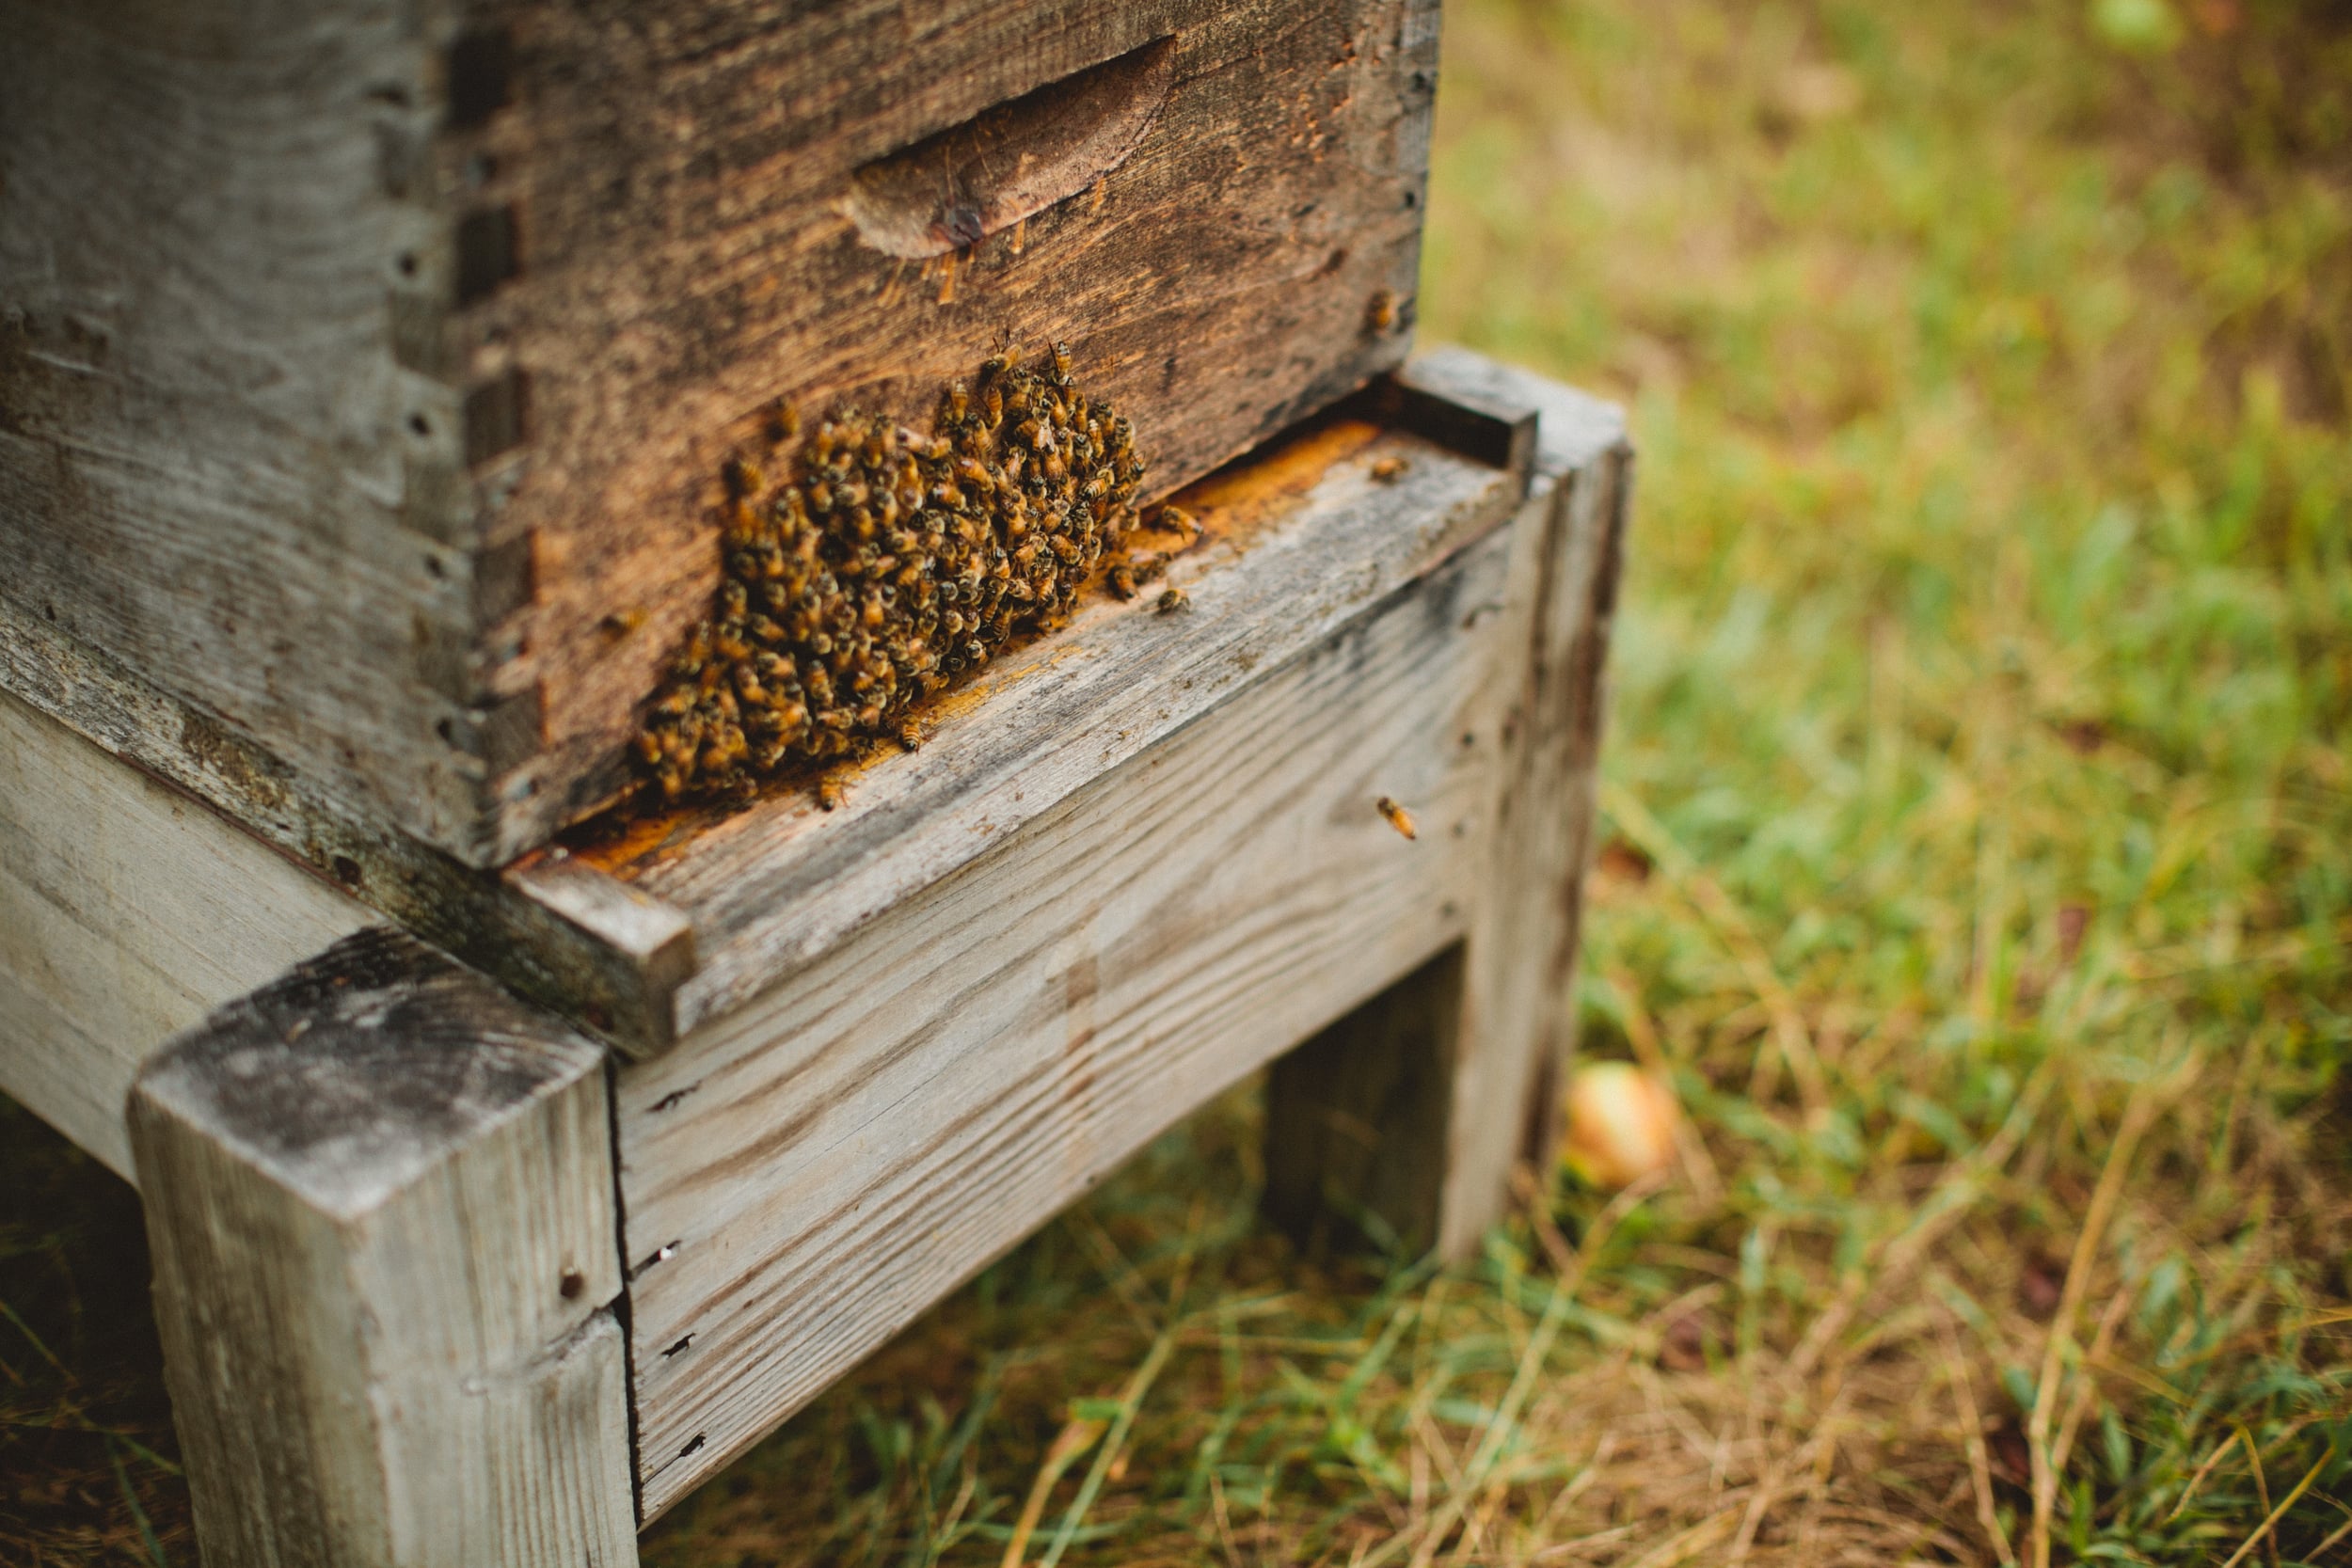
{"type": "Point", "coordinates": [367, 372]}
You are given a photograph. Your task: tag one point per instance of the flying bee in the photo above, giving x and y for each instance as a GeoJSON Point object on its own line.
{"type": "Point", "coordinates": [1397, 816]}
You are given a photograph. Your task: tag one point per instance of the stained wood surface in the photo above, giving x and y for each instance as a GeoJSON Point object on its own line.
{"type": "Point", "coordinates": [1403, 1119]}
{"type": "Point", "coordinates": [1205, 197]}
{"type": "Point", "coordinates": [379, 1195]}
{"type": "Point", "coordinates": [365, 379]}
{"type": "Point", "coordinates": [1298, 542]}
{"type": "Point", "coordinates": [127, 912]}
{"type": "Point", "coordinates": [804, 1176]}
{"type": "Point", "coordinates": [645, 936]}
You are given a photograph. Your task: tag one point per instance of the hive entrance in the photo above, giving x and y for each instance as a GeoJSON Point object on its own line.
{"type": "Point", "coordinates": [870, 565]}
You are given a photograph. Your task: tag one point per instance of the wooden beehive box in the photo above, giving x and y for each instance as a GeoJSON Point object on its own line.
{"type": "Point", "coordinates": [365, 372]}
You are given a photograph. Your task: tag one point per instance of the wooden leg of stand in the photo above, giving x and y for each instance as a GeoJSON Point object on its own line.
{"type": "Point", "coordinates": [379, 1194]}
{"type": "Point", "coordinates": [1414, 1109]}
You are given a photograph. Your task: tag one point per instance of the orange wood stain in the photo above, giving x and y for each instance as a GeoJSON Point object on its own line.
{"type": "Point", "coordinates": [1232, 505]}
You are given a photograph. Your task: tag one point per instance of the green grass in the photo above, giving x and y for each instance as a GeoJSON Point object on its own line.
{"type": "Point", "coordinates": [1978, 870]}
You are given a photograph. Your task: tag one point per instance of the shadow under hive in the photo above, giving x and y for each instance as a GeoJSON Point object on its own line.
{"type": "Point", "coordinates": [884, 564]}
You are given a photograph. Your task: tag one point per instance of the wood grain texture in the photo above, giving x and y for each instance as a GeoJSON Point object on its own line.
{"type": "Point", "coordinates": [718, 905]}
{"type": "Point", "coordinates": [1299, 541]}
{"type": "Point", "coordinates": [687, 182]}
{"type": "Point", "coordinates": [1519, 1017]}
{"type": "Point", "coordinates": [379, 1195]}
{"type": "Point", "coordinates": [802, 1177]}
{"type": "Point", "coordinates": [1402, 1120]}
{"type": "Point", "coordinates": [366, 370]}
{"type": "Point", "coordinates": [127, 912]}
{"type": "Point", "coordinates": [205, 438]}
{"type": "Point", "coordinates": [607, 956]}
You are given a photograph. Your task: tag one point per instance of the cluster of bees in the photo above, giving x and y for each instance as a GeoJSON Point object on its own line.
{"type": "Point", "coordinates": [883, 564]}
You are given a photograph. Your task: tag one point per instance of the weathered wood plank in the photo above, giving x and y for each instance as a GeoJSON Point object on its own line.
{"type": "Point", "coordinates": [379, 1195]}
{"type": "Point", "coordinates": [127, 912]}
{"type": "Point", "coordinates": [717, 200]}
{"type": "Point", "coordinates": [204, 430]}
{"type": "Point", "coordinates": [365, 372]}
{"type": "Point", "coordinates": [1518, 1012]}
{"type": "Point", "coordinates": [703, 910]}
{"type": "Point", "coordinates": [608, 956]}
{"type": "Point", "coordinates": [1298, 540]}
{"type": "Point", "coordinates": [1405, 1118]}
{"type": "Point", "coordinates": [804, 1175]}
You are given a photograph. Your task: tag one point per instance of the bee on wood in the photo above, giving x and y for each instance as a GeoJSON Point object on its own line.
{"type": "Point", "coordinates": [1398, 817]}
{"type": "Point", "coordinates": [830, 794]}
{"type": "Point", "coordinates": [1176, 520]}
{"type": "Point", "coordinates": [1380, 311]}
{"type": "Point", "coordinates": [1387, 470]}
{"type": "Point", "coordinates": [1174, 599]}
{"type": "Point", "coordinates": [866, 567]}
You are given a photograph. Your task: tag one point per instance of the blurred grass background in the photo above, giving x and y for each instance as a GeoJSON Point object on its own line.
{"type": "Point", "coordinates": [1978, 870]}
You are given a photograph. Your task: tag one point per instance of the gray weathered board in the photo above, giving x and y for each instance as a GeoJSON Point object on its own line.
{"type": "Point", "coordinates": [379, 1194]}
{"type": "Point", "coordinates": [803, 1176]}
{"type": "Point", "coordinates": [397, 1190]}
{"type": "Point", "coordinates": [127, 911]}
{"type": "Point", "coordinates": [684, 917]}
{"type": "Point", "coordinates": [365, 376]}
{"type": "Point", "coordinates": [1297, 541]}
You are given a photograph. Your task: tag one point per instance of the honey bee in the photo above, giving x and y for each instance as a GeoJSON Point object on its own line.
{"type": "Point", "coordinates": [864, 570]}
{"type": "Point", "coordinates": [830, 794]}
{"type": "Point", "coordinates": [1387, 470]}
{"type": "Point", "coordinates": [1398, 817]}
{"type": "Point", "coordinates": [1174, 599]}
{"type": "Point", "coordinates": [1380, 311]}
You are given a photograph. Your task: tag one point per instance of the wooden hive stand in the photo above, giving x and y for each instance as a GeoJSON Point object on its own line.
{"type": "Point", "coordinates": [447, 1278]}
